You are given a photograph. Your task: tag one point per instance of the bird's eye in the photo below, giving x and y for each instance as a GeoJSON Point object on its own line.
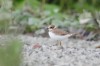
{"type": "Point", "coordinates": [51, 27]}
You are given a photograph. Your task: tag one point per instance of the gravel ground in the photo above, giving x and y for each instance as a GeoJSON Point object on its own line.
{"type": "Point", "coordinates": [38, 51]}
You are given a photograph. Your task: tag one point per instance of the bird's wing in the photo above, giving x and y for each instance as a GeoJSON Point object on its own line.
{"type": "Point", "coordinates": [60, 32]}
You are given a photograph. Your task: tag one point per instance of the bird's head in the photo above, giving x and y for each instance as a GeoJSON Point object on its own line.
{"type": "Point", "coordinates": [50, 27]}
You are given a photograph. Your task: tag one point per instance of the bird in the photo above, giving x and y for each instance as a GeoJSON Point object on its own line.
{"type": "Point", "coordinates": [58, 34]}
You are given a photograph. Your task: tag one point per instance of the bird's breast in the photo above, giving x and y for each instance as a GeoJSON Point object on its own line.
{"type": "Point", "coordinates": [57, 37]}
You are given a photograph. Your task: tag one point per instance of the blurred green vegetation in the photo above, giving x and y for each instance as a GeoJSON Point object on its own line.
{"type": "Point", "coordinates": [31, 15]}
{"type": "Point", "coordinates": [75, 5]}
{"type": "Point", "coordinates": [4, 26]}
{"type": "Point", "coordinates": [10, 52]}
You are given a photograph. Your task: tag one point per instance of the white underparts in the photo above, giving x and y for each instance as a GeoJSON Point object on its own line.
{"type": "Point", "coordinates": [58, 37]}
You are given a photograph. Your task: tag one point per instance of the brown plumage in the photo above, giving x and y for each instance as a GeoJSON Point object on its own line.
{"type": "Point", "coordinates": [57, 31]}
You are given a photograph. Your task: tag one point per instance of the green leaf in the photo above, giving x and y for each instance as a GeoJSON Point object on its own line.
{"type": "Point", "coordinates": [17, 4]}
{"type": "Point", "coordinates": [10, 54]}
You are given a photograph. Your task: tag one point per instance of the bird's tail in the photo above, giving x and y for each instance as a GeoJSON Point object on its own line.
{"type": "Point", "coordinates": [76, 35]}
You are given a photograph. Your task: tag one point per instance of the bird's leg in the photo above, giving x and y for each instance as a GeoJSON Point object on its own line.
{"type": "Point", "coordinates": [59, 42]}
